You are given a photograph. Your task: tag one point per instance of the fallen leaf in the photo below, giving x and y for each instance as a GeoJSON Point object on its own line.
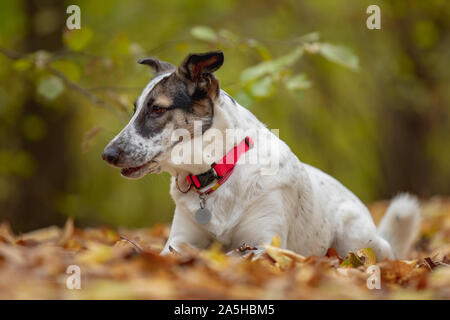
{"type": "Point", "coordinates": [367, 256]}
{"type": "Point", "coordinates": [276, 242]}
{"type": "Point", "coordinates": [96, 253]}
{"type": "Point", "coordinates": [67, 232]}
{"type": "Point", "coordinates": [283, 258]}
{"type": "Point", "coordinates": [351, 261]}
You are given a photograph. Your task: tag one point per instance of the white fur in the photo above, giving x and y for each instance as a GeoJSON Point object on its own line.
{"type": "Point", "coordinates": [147, 147]}
{"type": "Point", "coordinates": [400, 224]}
{"type": "Point", "coordinates": [139, 105]}
{"type": "Point", "coordinates": [309, 210]}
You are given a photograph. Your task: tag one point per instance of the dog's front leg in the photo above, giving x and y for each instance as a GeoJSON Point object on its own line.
{"type": "Point", "coordinates": [262, 222]}
{"type": "Point", "coordinates": [185, 231]}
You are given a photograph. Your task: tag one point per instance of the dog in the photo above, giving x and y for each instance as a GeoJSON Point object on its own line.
{"type": "Point", "coordinates": [307, 209]}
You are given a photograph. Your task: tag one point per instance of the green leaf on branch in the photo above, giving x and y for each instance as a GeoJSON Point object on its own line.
{"type": "Point", "coordinates": [262, 88]}
{"type": "Point", "coordinates": [310, 37]}
{"type": "Point", "coordinates": [50, 87]}
{"type": "Point", "coordinates": [228, 35]}
{"type": "Point", "coordinates": [340, 54]}
{"type": "Point", "coordinates": [271, 66]}
{"type": "Point", "coordinates": [297, 82]}
{"type": "Point", "coordinates": [204, 33]}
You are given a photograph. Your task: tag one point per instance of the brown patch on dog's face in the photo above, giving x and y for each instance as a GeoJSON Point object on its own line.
{"type": "Point", "coordinates": [174, 99]}
{"type": "Point", "coordinates": [185, 96]}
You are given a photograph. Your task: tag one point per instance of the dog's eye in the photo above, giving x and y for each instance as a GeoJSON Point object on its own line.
{"type": "Point", "coordinates": [158, 109]}
{"type": "Point", "coordinates": [134, 109]}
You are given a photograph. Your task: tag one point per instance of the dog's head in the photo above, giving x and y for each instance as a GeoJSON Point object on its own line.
{"type": "Point", "coordinates": [174, 99]}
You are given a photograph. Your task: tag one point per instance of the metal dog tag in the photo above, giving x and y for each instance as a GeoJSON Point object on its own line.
{"type": "Point", "coordinates": [203, 216]}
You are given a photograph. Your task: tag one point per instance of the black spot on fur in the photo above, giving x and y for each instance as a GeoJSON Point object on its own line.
{"type": "Point", "coordinates": [199, 94]}
{"type": "Point", "coordinates": [147, 126]}
{"type": "Point", "coordinates": [199, 106]}
{"type": "Point", "coordinates": [182, 100]}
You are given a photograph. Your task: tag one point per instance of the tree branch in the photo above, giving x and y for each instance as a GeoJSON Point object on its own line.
{"type": "Point", "coordinates": [94, 99]}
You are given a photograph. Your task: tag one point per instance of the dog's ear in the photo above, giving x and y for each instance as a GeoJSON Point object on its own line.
{"type": "Point", "coordinates": [198, 64]}
{"type": "Point", "coordinates": [157, 65]}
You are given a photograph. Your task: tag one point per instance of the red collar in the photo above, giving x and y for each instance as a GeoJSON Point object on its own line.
{"type": "Point", "coordinates": [221, 170]}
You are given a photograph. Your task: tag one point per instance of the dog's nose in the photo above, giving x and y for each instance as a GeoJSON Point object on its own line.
{"type": "Point", "coordinates": [111, 155]}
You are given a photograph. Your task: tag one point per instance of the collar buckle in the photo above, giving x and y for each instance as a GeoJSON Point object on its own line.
{"type": "Point", "coordinates": [203, 179]}
{"type": "Point", "coordinates": [220, 171]}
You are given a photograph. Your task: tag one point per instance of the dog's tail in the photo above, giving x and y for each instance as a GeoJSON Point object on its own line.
{"type": "Point", "coordinates": [400, 224]}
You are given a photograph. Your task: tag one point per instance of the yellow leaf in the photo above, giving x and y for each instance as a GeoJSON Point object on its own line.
{"type": "Point", "coordinates": [276, 242]}
{"type": "Point", "coordinates": [366, 256]}
{"type": "Point", "coordinates": [284, 258]}
{"type": "Point", "coordinates": [108, 289]}
{"type": "Point", "coordinates": [96, 254]}
{"type": "Point", "coordinates": [216, 258]}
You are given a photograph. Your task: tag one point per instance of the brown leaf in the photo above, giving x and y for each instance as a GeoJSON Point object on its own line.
{"type": "Point", "coordinates": [6, 234]}
{"type": "Point", "coordinates": [67, 232]}
{"type": "Point", "coordinates": [396, 271]}
{"type": "Point", "coordinates": [332, 253]}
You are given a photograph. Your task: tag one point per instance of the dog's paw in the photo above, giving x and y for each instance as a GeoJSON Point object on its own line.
{"type": "Point", "coordinates": [245, 251]}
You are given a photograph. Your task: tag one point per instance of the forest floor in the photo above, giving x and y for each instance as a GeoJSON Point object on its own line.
{"type": "Point", "coordinates": [125, 264]}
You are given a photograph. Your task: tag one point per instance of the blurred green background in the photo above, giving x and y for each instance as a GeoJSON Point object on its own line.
{"type": "Point", "coordinates": [370, 107]}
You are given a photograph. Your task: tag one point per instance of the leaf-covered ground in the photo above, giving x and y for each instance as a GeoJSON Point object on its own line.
{"type": "Point", "coordinates": [125, 264]}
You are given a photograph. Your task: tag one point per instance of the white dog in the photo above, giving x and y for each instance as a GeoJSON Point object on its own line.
{"type": "Point", "coordinates": [309, 210]}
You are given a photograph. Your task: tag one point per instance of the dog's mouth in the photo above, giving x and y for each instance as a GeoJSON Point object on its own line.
{"type": "Point", "coordinates": [140, 171]}
{"type": "Point", "coordinates": [129, 171]}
